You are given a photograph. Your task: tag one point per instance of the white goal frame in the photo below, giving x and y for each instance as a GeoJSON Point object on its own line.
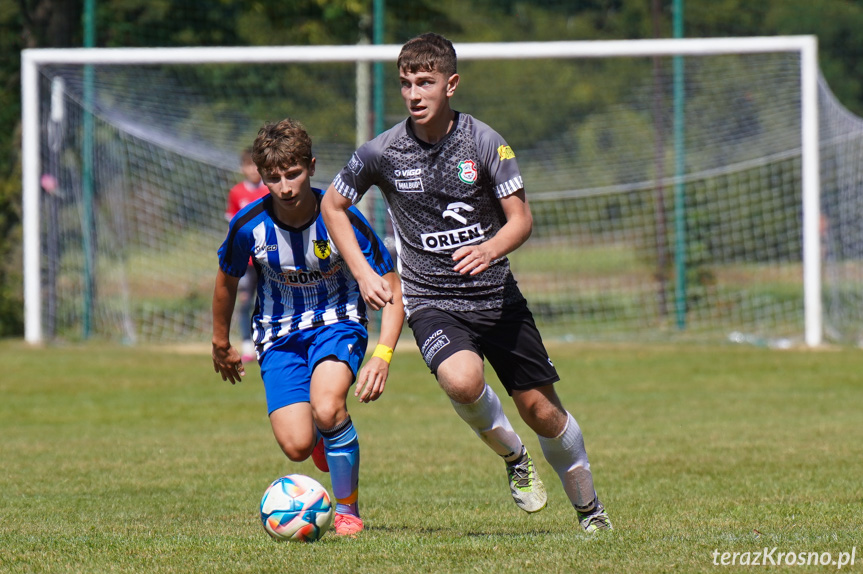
{"type": "Point", "coordinates": [806, 46]}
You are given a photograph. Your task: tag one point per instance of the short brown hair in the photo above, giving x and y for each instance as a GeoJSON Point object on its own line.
{"type": "Point", "coordinates": [428, 52]}
{"type": "Point", "coordinates": [281, 145]}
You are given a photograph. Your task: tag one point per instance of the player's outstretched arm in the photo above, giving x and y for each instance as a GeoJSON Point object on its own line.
{"type": "Point", "coordinates": [375, 289]}
{"type": "Point", "coordinates": [372, 378]}
{"type": "Point", "coordinates": [473, 259]}
{"type": "Point", "coordinates": [226, 359]}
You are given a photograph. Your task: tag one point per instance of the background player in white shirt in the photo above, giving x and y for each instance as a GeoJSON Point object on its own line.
{"type": "Point", "coordinates": [458, 206]}
{"type": "Point", "coordinates": [309, 324]}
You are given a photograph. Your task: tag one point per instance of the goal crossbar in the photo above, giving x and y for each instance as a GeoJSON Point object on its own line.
{"type": "Point", "coordinates": [806, 46]}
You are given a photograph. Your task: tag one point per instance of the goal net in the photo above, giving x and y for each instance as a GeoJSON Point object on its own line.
{"type": "Point", "coordinates": [668, 182]}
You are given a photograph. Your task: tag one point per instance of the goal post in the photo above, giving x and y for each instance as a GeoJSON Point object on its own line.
{"type": "Point", "coordinates": [35, 61]}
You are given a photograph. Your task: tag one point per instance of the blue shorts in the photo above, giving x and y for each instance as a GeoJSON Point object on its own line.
{"type": "Point", "coordinates": [287, 366]}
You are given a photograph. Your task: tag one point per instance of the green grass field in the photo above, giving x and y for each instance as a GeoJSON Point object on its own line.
{"type": "Point", "coordinates": [122, 459]}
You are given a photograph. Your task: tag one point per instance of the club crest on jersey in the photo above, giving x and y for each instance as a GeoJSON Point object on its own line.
{"type": "Point", "coordinates": [467, 171]}
{"type": "Point", "coordinates": [505, 152]}
{"type": "Point", "coordinates": [322, 248]}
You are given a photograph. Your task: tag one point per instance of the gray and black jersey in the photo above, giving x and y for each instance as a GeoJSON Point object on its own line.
{"type": "Point", "coordinates": [440, 197]}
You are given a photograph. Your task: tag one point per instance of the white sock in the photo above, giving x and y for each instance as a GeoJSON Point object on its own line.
{"type": "Point", "coordinates": [567, 456]}
{"type": "Point", "coordinates": [487, 419]}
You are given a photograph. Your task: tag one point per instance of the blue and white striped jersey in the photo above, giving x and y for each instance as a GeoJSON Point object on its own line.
{"type": "Point", "coordinates": [303, 282]}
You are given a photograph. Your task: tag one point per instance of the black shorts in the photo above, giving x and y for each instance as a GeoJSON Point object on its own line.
{"type": "Point", "coordinates": [507, 337]}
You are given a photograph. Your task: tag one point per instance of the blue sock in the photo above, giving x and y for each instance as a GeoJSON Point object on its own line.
{"type": "Point", "coordinates": [343, 456]}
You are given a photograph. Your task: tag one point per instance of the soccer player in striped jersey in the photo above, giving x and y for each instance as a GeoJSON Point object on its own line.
{"type": "Point", "coordinates": [458, 206]}
{"type": "Point", "coordinates": [309, 323]}
{"type": "Point", "coordinates": [241, 195]}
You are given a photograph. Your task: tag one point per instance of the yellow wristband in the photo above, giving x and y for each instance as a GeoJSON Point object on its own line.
{"type": "Point", "coordinates": [383, 352]}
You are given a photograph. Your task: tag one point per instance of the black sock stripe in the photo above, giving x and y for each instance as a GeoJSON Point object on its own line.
{"type": "Point", "coordinates": [330, 433]}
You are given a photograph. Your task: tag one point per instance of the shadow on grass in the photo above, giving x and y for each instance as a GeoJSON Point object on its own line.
{"type": "Point", "coordinates": [425, 530]}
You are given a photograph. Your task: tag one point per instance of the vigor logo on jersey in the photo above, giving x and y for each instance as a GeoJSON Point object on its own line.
{"type": "Point", "coordinates": [505, 152]}
{"type": "Point", "coordinates": [409, 180]}
{"type": "Point", "coordinates": [414, 172]}
{"type": "Point", "coordinates": [259, 248]}
{"type": "Point", "coordinates": [322, 248]}
{"type": "Point", "coordinates": [467, 171]}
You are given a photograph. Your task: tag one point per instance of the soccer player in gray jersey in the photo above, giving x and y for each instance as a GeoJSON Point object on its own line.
{"type": "Point", "coordinates": [457, 202]}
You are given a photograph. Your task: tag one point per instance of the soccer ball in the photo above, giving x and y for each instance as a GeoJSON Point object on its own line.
{"type": "Point", "coordinates": [296, 508]}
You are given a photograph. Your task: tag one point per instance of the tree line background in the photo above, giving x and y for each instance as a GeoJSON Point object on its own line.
{"type": "Point", "coordinates": [149, 23]}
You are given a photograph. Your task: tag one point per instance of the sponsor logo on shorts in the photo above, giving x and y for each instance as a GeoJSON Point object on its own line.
{"type": "Point", "coordinates": [435, 342]}
{"type": "Point", "coordinates": [414, 185]}
{"type": "Point", "coordinates": [356, 164]}
{"type": "Point", "coordinates": [443, 240]}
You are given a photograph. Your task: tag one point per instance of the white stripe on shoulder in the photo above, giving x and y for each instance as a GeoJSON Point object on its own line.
{"type": "Point", "coordinates": [344, 189]}
{"type": "Point", "coordinates": [507, 188]}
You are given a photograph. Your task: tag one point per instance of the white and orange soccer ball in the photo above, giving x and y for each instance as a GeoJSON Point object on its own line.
{"type": "Point", "coordinates": [296, 508]}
